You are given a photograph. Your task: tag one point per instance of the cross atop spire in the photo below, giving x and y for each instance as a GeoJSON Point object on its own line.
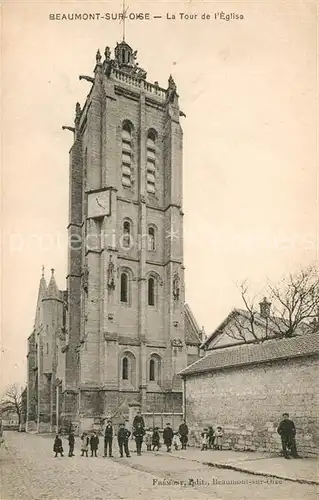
{"type": "Point", "coordinates": [123, 19]}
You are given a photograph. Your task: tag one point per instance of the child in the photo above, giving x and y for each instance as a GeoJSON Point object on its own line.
{"type": "Point", "coordinates": [71, 440]}
{"type": "Point", "coordinates": [85, 444]}
{"type": "Point", "coordinates": [148, 439]}
{"type": "Point", "coordinates": [155, 439]}
{"type": "Point", "coordinates": [94, 444]}
{"type": "Point", "coordinates": [205, 438]}
{"type": "Point", "coordinates": [57, 447]}
{"type": "Point", "coordinates": [176, 441]}
{"type": "Point", "coordinates": [122, 439]}
{"type": "Point", "coordinates": [211, 437]}
{"type": "Point", "coordinates": [168, 436]}
{"type": "Point", "coordinates": [219, 438]}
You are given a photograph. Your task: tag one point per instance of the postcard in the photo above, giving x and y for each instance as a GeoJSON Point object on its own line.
{"type": "Point", "coordinates": [160, 280]}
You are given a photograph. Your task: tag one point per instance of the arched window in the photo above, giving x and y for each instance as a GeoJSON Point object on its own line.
{"type": "Point", "coordinates": [152, 370]}
{"type": "Point", "coordinates": [124, 287]}
{"type": "Point", "coordinates": [125, 369]}
{"type": "Point", "coordinates": [128, 368]}
{"type": "Point", "coordinates": [151, 162]}
{"type": "Point", "coordinates": [151, 239]}
{"type": "Point", "coordinates": [151, 291]}
{"type": "Point", "coordinates": [126, 234]}
{"type": "Point", "coordinates": [127, 156]}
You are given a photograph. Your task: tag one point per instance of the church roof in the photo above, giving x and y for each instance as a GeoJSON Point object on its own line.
{"type": "Point", "coordinates": [41, 294]}
{"type": "Point", "coordinates": [192, 330]}
{"type": "Point", "coordinates": [247, 354]}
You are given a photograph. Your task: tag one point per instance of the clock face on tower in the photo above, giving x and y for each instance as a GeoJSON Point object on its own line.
{"type": "Point", "coordinates": [99, 204]}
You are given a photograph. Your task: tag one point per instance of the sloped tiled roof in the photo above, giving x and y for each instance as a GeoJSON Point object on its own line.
{"type": "Point", "coordinates": [270, 350]}
{"type": "Point", "coordinates": [191, 328]}
{"type": "Point", "coordinates": [260, 321]}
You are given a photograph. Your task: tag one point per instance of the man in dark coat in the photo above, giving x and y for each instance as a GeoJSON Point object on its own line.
{"type": "Point", "coordinates": [122, 438]}
{"type": "Point", "coordinates": [287, 431]}
{"type": "Point", "coordinates": [108, 438]}
{"type": "Point", "coordinates": [168, 436]}
{"type": "Point", "coordinates": [71, 440]}
{"type": "Point", "coordinates": [138, 434]}
{"type": "Point", "coordinates": [57, 447]}
{"type": "Point", "coordinates": [211, 437]}
{"type": "Point", "coordinates": [138, 419]}
{"type": "Point", "coordinates": [183, 432]}
{"type": "Point", "coordinates": [94, 444]}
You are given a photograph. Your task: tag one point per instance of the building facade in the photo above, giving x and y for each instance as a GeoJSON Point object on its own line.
{"type": "Point", "coordinates": [44, 345]}
{"type": "Point", "coordinates": [123, 331]}
{"type": "Point", "coordinates": [245, 389]}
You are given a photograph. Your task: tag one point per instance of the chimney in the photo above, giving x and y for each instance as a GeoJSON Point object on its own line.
{"type": "Point", "coordinates": [265, 308]}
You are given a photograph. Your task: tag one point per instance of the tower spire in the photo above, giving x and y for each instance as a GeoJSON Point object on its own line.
{"type": "Point", "coordinates": [123, 20]}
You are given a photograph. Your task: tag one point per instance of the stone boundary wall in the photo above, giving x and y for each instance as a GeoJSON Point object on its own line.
{"type": "Point", "coordinates": [248, 403]}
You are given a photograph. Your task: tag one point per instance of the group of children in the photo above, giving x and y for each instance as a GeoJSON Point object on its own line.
{"type": "Point", "coordinates": [212, 440]}
{"type": "Point", "coordinates": [87, 441]}
{"type": "Point", "coordinates": [170, 438]}
{"type": "Point", "coordinates": [152, 439]}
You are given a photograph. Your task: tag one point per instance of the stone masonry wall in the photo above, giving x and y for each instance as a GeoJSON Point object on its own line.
{"type": "Point", "coordinates": [248, 403]}
{"type": "Point", "coordinates": [164, 402]}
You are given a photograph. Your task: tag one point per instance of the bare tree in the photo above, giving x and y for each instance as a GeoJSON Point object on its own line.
{"type": "Point", "coordinates": [245, 325]}
{"type": "Point", "coordinates": [295, 308]}
{"type": "Point", "coordinates": [12, 401]}
{"type": "Point", "coordinates": [295, 301]}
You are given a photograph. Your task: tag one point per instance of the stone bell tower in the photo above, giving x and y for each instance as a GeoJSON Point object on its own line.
{"type": "Point", "coordinates": [126, 315]}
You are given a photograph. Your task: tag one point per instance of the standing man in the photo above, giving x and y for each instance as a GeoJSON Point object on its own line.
{"type": "Point", "coordinates": [71, 440]}
{"type": "Point", "coordinates": [211, 437]}
{"type": "Point", "coordinates": [287, 431]}
{"type": "Point", "coordinates": [122, 438]}
{"type": "Point", "coordinates": [138, 419]}
{"type": "Point", "coordinates": [138, 434]}
{"type": "Point", "coordinates": [108, 438]}
{"type": "Point", "coordinates": [183, 432]}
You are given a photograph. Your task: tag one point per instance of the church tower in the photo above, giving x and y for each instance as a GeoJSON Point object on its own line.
{"type": "Point", "coordinates": [126, 314]}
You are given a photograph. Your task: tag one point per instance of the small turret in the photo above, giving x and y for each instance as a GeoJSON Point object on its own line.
{"type": "Point", "coordinates": [78, 112]}
{"type": "Point", "coordinates": [124, 54]}
{"type": "Point", "coordinates": [52, 290]}
{"type": "Point", "coordinates": [171, 92]}
{"type": "Point", "coordinates": [98, 57]}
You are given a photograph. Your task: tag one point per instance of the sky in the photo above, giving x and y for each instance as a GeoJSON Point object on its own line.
{"type": "Point", "coordinates": [248, 89]}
